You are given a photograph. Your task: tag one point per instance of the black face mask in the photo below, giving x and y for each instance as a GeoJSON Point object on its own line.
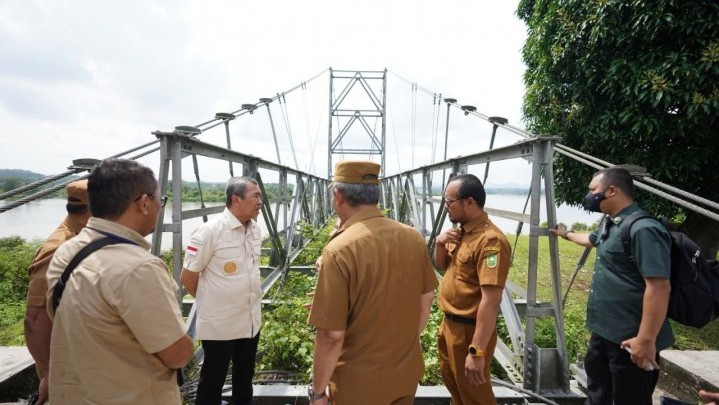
{"type": "Point", "coordinates": [592, 201]}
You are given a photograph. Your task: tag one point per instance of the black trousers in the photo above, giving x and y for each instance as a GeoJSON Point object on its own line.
{"type": "Point", "coordinates": [218, 354]}
{"type": "Point", "coordinates": [612, 378]}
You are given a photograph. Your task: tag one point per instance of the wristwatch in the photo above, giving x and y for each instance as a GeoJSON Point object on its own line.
{"type": "Point", "coordinates": [474, 351]}
{"type": "Point", "coordinates": [313, 396]}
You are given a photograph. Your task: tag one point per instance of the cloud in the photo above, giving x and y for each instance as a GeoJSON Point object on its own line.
{"type": "Point", "coordinates": [91, 79]}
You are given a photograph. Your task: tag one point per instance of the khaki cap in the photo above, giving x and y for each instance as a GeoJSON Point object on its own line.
{"type": "Point", "coordinates": [77, 193]}
{"type": "Point", "coordinates": [357, 172]}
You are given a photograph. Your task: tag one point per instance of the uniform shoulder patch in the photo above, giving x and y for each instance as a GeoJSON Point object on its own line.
{"type": "Point", "coordinates": [492, 260]}
{"type": "Point", "coordinates": [491, 248]}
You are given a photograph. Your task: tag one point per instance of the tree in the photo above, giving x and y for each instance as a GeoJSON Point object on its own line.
{"type": "Point", "coordinates": [632, 82]}
{"type": "Point", "coordinates": [11, 183]}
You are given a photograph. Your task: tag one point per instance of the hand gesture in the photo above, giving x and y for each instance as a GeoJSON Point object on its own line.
{"type": "Point", "coordinates": [452, 235]}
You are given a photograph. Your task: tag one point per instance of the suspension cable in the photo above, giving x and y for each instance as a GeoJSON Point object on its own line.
{"type": "Point", "coordinates": [436, 111]}
{"type": "Point", "coordinates": [286, 119]}
{"type": "Point", "coordinates": [314, 146]}
{"type": "Point", "coordinates": [657, 183]}
{"type": "Point", "coordinates": [655, 191]}
{"type": "Point", "coordinates": [414, 119]}
{"type": "Point", "coordinates": [396, 146]}
{"type": "Point", "coordinates": [601, 164]}
{"type": "Point", "coordinates": [307, 120]}
{"type": "Point", "coordinates": [429, 92]}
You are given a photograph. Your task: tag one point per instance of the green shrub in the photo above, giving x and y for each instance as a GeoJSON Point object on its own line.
{"type": "Point", "coordinates": [286, 341]}
{"type": "Point", "coordinates": [15, 257]}
{"type": "Point", "coordinates": [309, 255]}
{"type": "Point", "coordinates": [428, 339]}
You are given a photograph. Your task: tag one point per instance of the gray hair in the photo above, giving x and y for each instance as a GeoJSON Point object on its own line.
{"type": "Point", "coordinates": [358, 194]}
{"type": "Point", "coordinates": [237, 186]}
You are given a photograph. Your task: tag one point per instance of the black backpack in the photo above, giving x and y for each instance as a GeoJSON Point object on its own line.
{"type": "Point", "coordinates": [694, 299]}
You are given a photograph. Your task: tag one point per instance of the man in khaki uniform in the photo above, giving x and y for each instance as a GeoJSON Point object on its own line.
{"type": "Point", "coordinates": [118, 334]}
{"type": "Point", "coordinates": [372, 301]}
{"type": "Point", "coordinates": [37, 322]}
{"type": "Point", "coordinates": [476, 258]}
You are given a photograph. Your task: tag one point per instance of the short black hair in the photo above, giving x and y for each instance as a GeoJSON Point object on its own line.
{"type": "Point", "coordinates": [619, 178]}
{"type": "Point", "coordinates": [115, 183]}
{"type": "Point", "coordinates": [470, 186]}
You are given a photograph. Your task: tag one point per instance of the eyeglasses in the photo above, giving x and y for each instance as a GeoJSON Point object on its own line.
{"type": "Point", "coordinates": [449, 201]}
{"type": "Point", "coordinates": [161, 199]}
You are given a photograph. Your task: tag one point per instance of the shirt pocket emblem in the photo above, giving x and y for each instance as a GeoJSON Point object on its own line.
{"type": "Point", "coordinates": [230, 267]}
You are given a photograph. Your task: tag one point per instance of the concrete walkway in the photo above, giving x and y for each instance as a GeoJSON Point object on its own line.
{"type": "Point", "coordinates": [684, 372]}
{"type": "Point", "coordinates": [16, 372]}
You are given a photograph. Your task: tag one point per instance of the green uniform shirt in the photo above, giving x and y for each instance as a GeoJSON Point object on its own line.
{"type": "Point", "coordinates": [614, 309]}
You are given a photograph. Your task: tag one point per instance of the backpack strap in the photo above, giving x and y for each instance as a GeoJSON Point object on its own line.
{"type": "Point", "coordinates": [627, 223]}
{"type": "Point", "coordinates": [80, 256]}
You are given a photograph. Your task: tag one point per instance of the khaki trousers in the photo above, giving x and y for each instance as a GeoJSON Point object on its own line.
{"type": "Point", "coordinates": [453, 346]}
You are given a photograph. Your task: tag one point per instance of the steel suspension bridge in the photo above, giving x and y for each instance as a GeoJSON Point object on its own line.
{"type": "Point", "coordinates": [356, 123]}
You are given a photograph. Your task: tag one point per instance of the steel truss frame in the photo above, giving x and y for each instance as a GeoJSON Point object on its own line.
{"type": "Point", "coordinates": [349, 116]}
{"type": "Point", "coordinates": [541, 370]}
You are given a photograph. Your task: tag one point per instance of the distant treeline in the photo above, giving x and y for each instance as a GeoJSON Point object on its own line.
{"type": "Point", "coordinates": [215, 192]}
{"type": "Point", "coordinates": [507, 191]}
{"type": "Point", "coordinates": [11, 179]}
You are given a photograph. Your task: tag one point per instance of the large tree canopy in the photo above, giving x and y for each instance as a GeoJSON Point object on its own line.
{"type": "Point", "coordinates": [629, 82]}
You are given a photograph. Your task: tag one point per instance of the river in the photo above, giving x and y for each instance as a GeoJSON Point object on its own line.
{"type": "Point", "coordinates": [36, 220]}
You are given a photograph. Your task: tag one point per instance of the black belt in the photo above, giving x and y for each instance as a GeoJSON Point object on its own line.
{"type": "Point", "coordinates": [460, 319]}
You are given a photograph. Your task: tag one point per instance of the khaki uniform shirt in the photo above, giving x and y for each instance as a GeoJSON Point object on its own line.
{"type": "Point", "coordinates": [374, 271]}
{"type": "Point", "coordinates": [37, 287]}
{"type": "Point", "coordinates": [229, 293]}
{"type": "Point", "coordinates": [118, 308]}
{"type": "Point", "coordinates": [481, 258]}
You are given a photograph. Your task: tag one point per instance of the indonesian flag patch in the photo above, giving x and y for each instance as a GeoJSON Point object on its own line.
{"type": "Point", "coordinates": [191, 250]}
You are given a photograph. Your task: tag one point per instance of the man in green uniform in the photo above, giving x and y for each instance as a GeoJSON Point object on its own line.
{"type": "Point", "coordinates": [476, 258]}
{"type": "Point", "coordinates": [373, 297]}
{"type": "Point", "coordinates": [628, 301]}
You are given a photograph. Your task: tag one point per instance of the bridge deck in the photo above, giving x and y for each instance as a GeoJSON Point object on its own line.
{"type": "Point", "coordinates": [683, 373]}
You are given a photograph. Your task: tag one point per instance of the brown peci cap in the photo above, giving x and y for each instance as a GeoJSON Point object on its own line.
{"type": "Point", "coordinates": [77, 193]}
{"type": "Point", "coordinates": [357, 172]}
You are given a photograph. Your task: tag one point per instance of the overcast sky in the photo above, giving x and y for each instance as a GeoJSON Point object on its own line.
{"type": "Point", "coordinates": [95, 78]}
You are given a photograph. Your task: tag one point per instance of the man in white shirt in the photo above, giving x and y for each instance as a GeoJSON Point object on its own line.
{"type": "Point", "coordinates": [222, 271]}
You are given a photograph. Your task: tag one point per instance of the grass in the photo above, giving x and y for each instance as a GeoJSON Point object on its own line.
{"type": "Point", "coordinates": [13, 334]}
{"type": "Point", "coordinates": [687, 338]}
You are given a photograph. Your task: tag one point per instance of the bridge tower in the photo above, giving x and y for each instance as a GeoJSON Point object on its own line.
{"type": "Point", "coordinates": [356, 113]}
